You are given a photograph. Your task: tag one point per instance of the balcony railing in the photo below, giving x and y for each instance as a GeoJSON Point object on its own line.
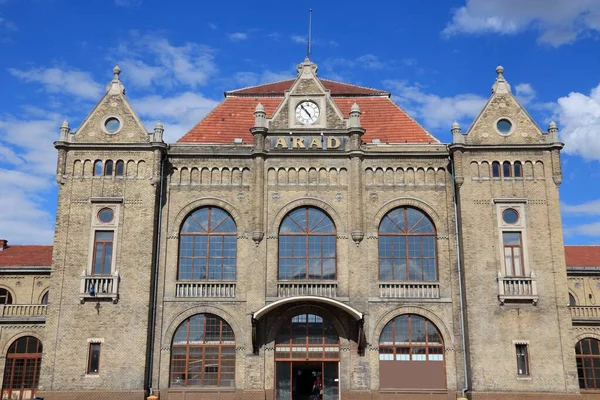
{"type": "Point", "coordinates": [304, 288]}
{"type": "Point", "coordinates": [409, 290]}
{"type": "Point", "coordinates": [23, 312]}
{"type": "Point", "coordinates": [585, 313]}
{"type": "Point", "coordinates": [517, 288]}
{"type": "Point", "coordinates": [99, 287]}
{"type": "Point", "coordinates": [205, 289]}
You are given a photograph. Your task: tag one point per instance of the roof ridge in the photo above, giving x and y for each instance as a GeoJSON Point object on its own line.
{"type": "Point", "coordinates": [255, 86]}
{"type": "Point", "coordinates": [358, 86]}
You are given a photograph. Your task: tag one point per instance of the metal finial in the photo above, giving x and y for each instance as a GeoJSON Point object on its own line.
{"type": "Point", "coordinates": [308, 44]}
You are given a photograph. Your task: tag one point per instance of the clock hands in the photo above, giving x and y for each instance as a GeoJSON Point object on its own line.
{"type": "Point", "coordinates": [306, 111]}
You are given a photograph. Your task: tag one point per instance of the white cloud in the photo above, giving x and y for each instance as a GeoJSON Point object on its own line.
{"type": "Point", "coordinates": [7, 25]}
{"type": "Point", "coordinates": [557, 21]}
{"type": "Point", "coordinates": [525, 93]}
{"type": "Point", "coordinates": [238, 36]}
{"type": "Point", "coordinates": [160, 63]}
{"type": "Point", "coordinates": [578, 116]}
{"type": "Point", "coordinates": [61, 80]}
{"type": "Point", "coordinates": [370, 61]}
{"type": "Point", "coordinates": [178, 113]}
{"type": "Point", "coordinates": [588, 208]}
{"type": "Point", "coordinates": [590, 229]}
{"type": "Point", "coordinates": [434, 111]}
{"type": "Point", "coordinates": [252, 78]}
{"type": "Point", "coordinates": [27, 167]}
{"type": "Point", "coordinates": [299, 39]}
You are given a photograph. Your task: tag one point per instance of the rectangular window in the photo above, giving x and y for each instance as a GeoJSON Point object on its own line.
{"type": "Point", "coordinates": [513, 253]}
{"type": "Point", "coordinates": [94, 359]}
{"type": "Point", "coordinates": [103, 248]}
{"type": "Point", "coordinates": [522, 360]}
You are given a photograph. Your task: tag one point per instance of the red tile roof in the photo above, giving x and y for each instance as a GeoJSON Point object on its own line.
{"type": "Point", "coordinates": [582, 256]}
{"type": "Point", "coordinates": [381, 118]}
{"type": "Point", "coordinates": [26, 256]}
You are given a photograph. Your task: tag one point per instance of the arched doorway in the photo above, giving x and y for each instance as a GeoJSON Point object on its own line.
{"type": "Point", "coordinates": [22, 369]}
{"type": "Point", "coordinates": [307, 352]}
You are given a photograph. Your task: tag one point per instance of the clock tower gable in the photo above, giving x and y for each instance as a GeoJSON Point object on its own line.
{"type": "Point", "coordinates": [307, 104]}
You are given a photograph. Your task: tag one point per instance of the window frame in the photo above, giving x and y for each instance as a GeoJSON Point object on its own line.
{"type": "Point", "coordinates": [496, 170]}
{"type": "Point", "coordinates": [522, 355]}
{"type": "Point", "coordinates": [6, 296]}
{"type": "Point", "coordinates": [91, 346]}
{"type": "Point", "coordinates": [120, 165]}
{"type": "Point", "coordinates": [26, 357]}
{"type": "Point", "coordinates": [407, 257]}
{"type": "Point", "coordinates": [208, 234]}
{"type": "Point", "coordinates": [203, 345]}
{"type": "Point", "coordinates": [308, 255]}
{"type": "Point", "coordinates": [520, 171]}
{"type": "Point", "coordinates": [519, 206]}
{"type": "Point", "coordinates": [394, 345]}
{"type": "Point", "coordinates": [512, 247]}
{"type": "Point", "coordinates": [104, 244]}
{"type": "Point", "coordinates": [594, 360]}
{"type": "Point", "coordinates": [109, 168]}
{"type": "Point", "coordinates": [507, 167]}
{"type": "Point", "coordinates": [98, 168]}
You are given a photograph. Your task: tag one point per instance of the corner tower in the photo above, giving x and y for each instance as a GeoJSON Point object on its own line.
{"type": "Point", "coordinates": [507, 174]}
{"type": "Point", "coordinates": [108, 173]}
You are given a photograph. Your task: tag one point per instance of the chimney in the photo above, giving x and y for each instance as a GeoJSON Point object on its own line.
{"type": "Point", "coordinates": [3, 244]}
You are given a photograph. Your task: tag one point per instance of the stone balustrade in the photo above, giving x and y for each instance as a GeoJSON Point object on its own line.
{"type": "Point", "coordinates": [517, 288]}
{"type": "Point", "coordinates": [99, 287]}
{"type": "Point", "coordinates": [205, 289]}
{"type": "Point", "coordinates": [585, 312]}
{"type": "Point", "coordinates": [17, 311]}
{"type": "Point", "coordinates": [307, 288]}
{"type": "Point", "coordinates": [409, 290]}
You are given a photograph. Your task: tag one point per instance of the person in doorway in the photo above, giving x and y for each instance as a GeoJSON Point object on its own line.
{"type": "Point", "coordinates": [316, 389]}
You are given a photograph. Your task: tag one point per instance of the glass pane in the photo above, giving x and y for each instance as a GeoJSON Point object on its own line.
{"type": "Point", "coordinates": [108, 168]}
{"type": "Point", "coordinates": [104, 235]}
{"type": "Point", "coordinates": [98, 168]}
{"type": "Point", "coordinates": [331, 386]}
{"type": "Point", "coordinates": [120, 168]}
{"type": "Point", "coordinates": [518, 169]}
{"type": "Point", "coordinates": [283, 381]}
{"type": "Point", "coordinates": [506, 170]}
{"type": "Point", "coordinates": [107, 258]}
{"type": "Point", "coordinates": [511, 238]}
{"type": "Point", "coordinates": [94, 360]}
{"type": "Point", "coordinates": [496, 169]}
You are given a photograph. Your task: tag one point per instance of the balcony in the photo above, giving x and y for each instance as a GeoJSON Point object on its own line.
{"type": "Point", "coordinates": [99, 287]}
{"type": "Point", "coordinates": [22, 313]}
{"type": "Point", "coordinates": [517, 289]}
{"type": "Point", "coordinates": [205, 289]}
{"type": "Point", "coordinates": [409, 290]}
{"type": "Point", "coordinates": [585, 314]}
{"type": "Point", "coordinates": [307, 288]}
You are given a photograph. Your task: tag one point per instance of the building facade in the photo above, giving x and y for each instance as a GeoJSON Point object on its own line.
{"type": "Point", "coordinates": [307, 236]}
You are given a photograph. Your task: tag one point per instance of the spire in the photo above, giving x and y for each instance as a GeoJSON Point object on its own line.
{"type": "Point", "coordinates": [457, 136]}
{"type": "Point", "coordinates": [552, 132]}
{"type": "Point", "coordinates": [115, 86]}
{"type": "Point", "coordinates": [64, 131]}
{"type": "Point", "coordinates": [501, 85]}
{"type": "Point", "coordinates": [158, 132]}
{"type": "Point", "coordinates": [355, 116]}
{"type": "Point", "coordinates": [260, 116]}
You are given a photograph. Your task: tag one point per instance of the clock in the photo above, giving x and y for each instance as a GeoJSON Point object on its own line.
{"type": "Point", "coordinates": [307, 113]}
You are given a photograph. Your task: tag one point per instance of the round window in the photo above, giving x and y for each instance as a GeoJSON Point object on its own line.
{"type": "Point", "coordinates": [112, 125]}
{"type": "Point", "coordinates": [106, 215]}
{"type": "Point", "coordinates": [504, 126]}
{"type": "Point", "coordinates": [510, 216]}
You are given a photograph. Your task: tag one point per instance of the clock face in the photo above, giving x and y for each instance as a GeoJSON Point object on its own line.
{"type": "Point", "coordinates": [307, 112]}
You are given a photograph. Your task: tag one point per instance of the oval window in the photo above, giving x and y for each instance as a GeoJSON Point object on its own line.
{"type": "Point", "coordinates": [504, 126]}
{"type": "Point", "coordinates": [106, 215]}
{"type": "Point", "coordinates": [112, 125]}
{"type": "Point", "coordinates": [510, 216]}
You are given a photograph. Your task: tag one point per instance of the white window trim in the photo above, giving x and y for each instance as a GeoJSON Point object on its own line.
{"type": "Point", "coordinates": [520, 226]}
{"type": "Point", "coordinates": [97, 204]}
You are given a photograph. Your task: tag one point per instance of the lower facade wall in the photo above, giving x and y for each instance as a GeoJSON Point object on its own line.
{"type": "Point", "coordinates": [526, 396]}
{"type": "Point", "coordinates": [89, 395]}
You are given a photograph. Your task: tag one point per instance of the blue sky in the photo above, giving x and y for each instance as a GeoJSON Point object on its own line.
{"type": "Point", "coordinates": [436, 57]}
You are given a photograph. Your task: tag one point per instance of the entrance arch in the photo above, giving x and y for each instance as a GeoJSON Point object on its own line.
{"type": "Point", "coordinates": [22, 369]}
{"type": "Point", "coordinates": [307, 355]}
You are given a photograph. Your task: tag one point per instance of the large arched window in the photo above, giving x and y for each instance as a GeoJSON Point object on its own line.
{"type": "Point", "coordinates": [588, 363]}
{"type": "Point", "coordinates": [307, 245]}
{"type": "Point", "coordinates": [411, 354]}
{"type": "Point", "coordinates": [307, 336]}
{"type": "Point", "coordinates": [407, 248]}
{"type": "Point", "coordinates": [5, 297]}
{"type": "Point", "coordinates": [207, 246]}
{"type": "Point", "coordinates": [203, 353]}
{"type": "Point", "coordinates": [22, 369]}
